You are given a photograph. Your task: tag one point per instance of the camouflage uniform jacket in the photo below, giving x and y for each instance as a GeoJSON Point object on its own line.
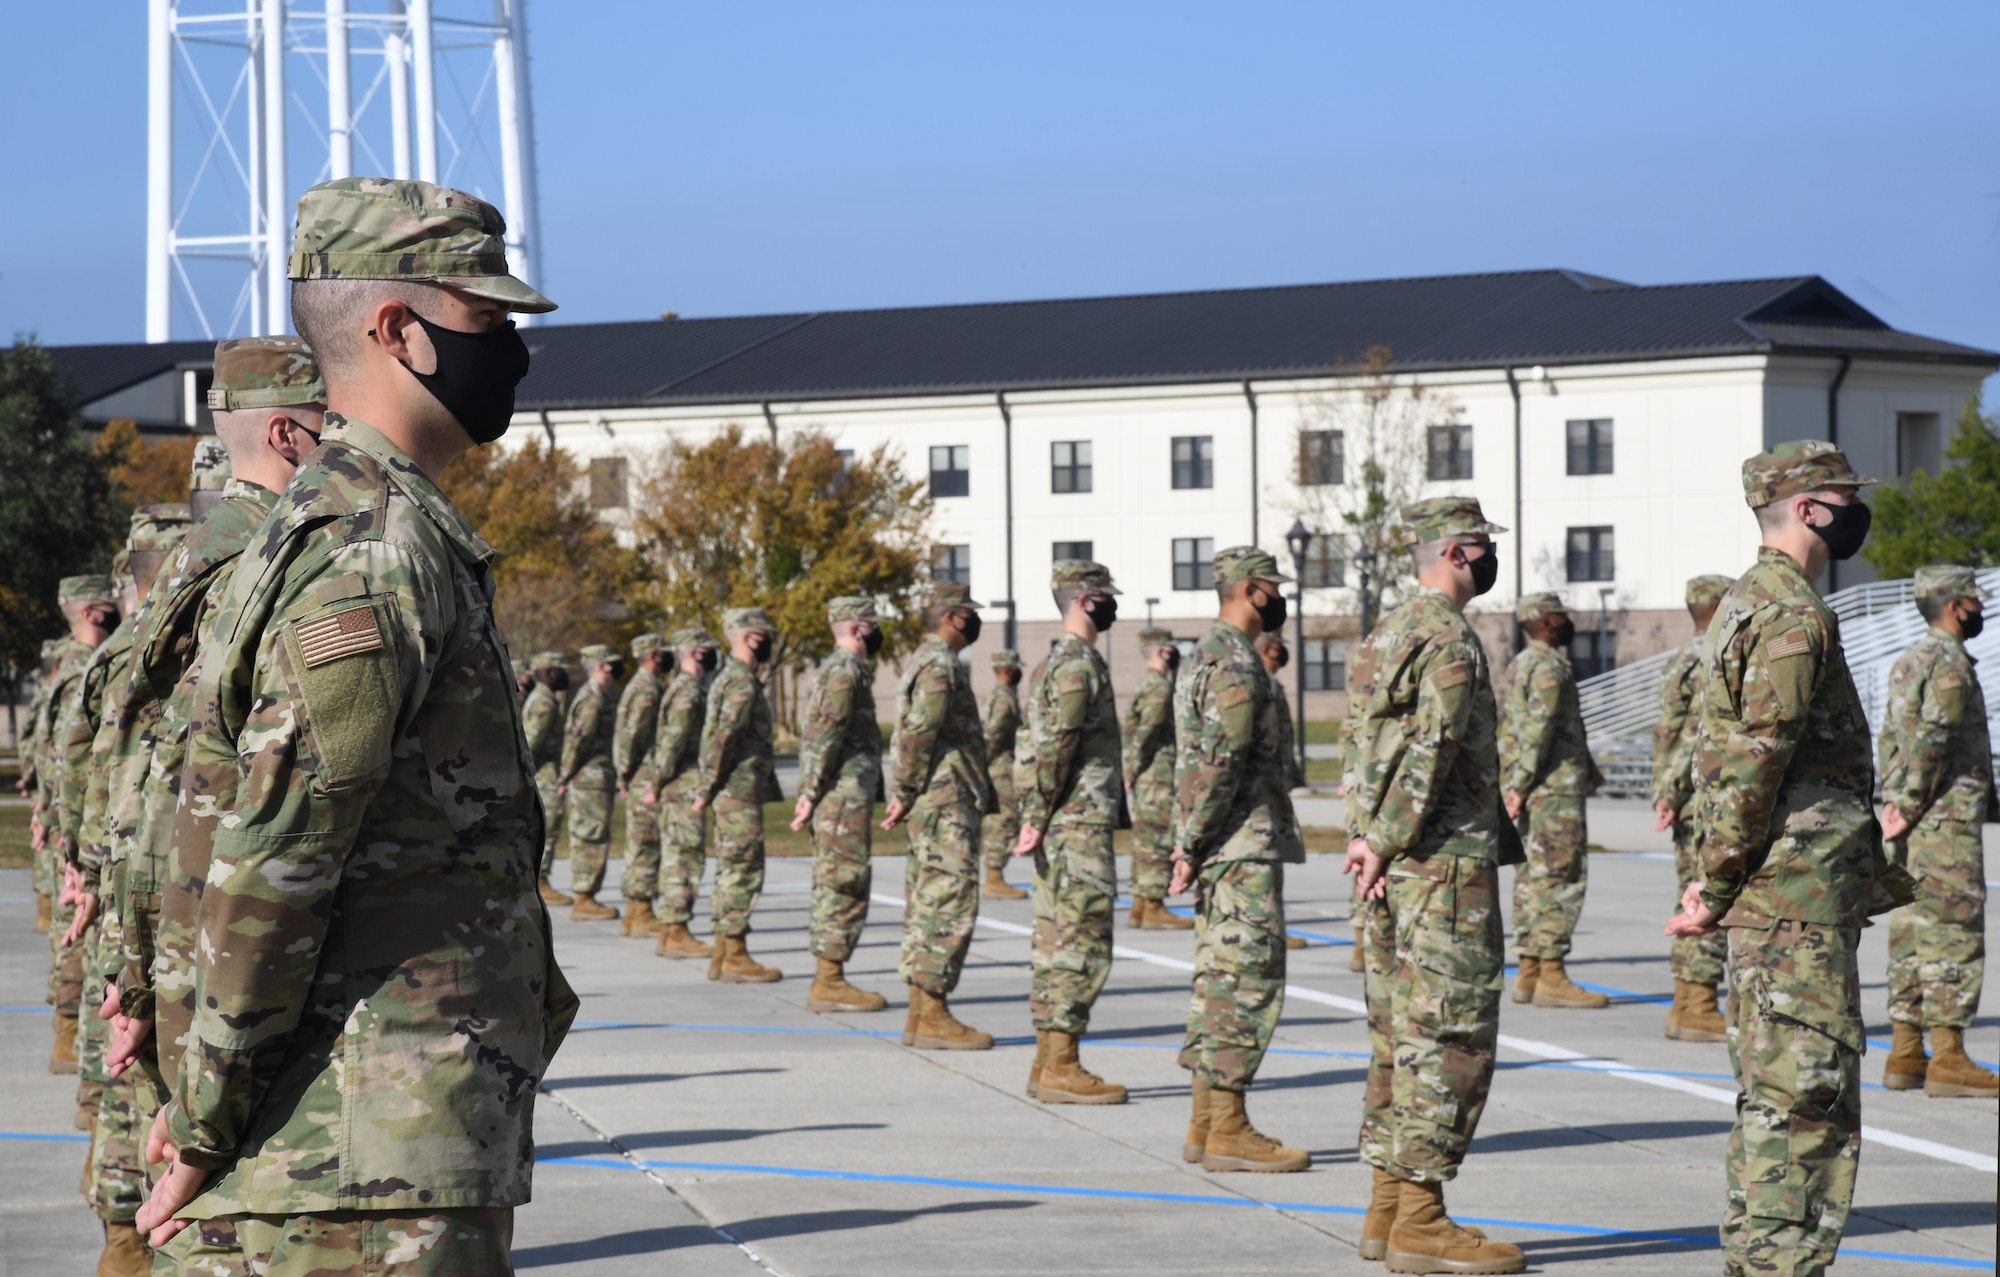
{"type": "Point", "coordinates": [588, 738]}
{"type": "Point", "coordinates": [735, 738]}
{"type": "Point", "coordinates": [1674, 735]}
{"type": "Point", "coordinates": [677, 731]}
{"type": "Point", "coordinates": [1000, 722]}
{"type": "Point", "coordinates": [1149, 731]}
{"type": "Point", "coordinates": [938, 751]}
{"type": "Point", "coordinates": [1784, 779]}
{"type": "Point", "coordinates": [1069, 771]}
{"type": "Point", "coordinates": [55, 701]}
{"type": "Point", "coordinates": [542, 723]}
{"type": "Point", "coordinates": [29, 747]}
{"type": "Point", "coordinates": [1426, 770]}
{"type": "Point", "coordinates": [1543, 747]}
{"type": "Point", "coordinates": [1230, 800]}
{"type": "Point", "coordinates": [638, 718]}
{"type": "Point", "coordinates": [1288, 741]}
{"type": "Point", "coordinates": [1937, 759]}
{"type": "Point", "coordinates": [77, 757]}
{"type": "Point", "coordinates": [378, 996]}
{"type": "Point", "coordinates": [842, 741]}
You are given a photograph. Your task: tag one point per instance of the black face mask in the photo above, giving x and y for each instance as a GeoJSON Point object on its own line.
{"type": "Point", "coordinates": [760, 648]}
{"type": "Point", "coordinates": [1272, 613]}
{"type": "Point", "coordinates": [871, 642]}
{"type": "Point", "coordinates": [1561, 635]}
{"type": "Point", "coordinates": [1284, 657]}
{"type": "Point", "coordinates": [476, 375]}
{"type": "Point", "coordinates": [1103, 613]}
{"type": "Point", "coordinates": [1848, 530]}
{"type": "Point", "coordinates": [707, 659]}
{"type": "Point", "coordinates": [1972, 624]}
{"type": "Point", "coordinates": [617, 670]}
{"type": "Point", "coordinates": [971, 628]}
{"type": "Point", "coordinates": [557, 680]}
{"type": "Point", "coordinates": [1485, 571]}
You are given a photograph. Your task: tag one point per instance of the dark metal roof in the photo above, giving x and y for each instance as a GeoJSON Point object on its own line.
{"type": "Point", "coordinates": [1431, 324]}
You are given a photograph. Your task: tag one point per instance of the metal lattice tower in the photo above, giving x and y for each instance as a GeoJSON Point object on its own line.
{"type": "Point", "coordinates": [367, 85]}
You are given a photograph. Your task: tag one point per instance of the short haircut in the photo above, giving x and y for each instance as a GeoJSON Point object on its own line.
{"type": "Point", "coordinates": [1931, 608]}
{"type": "Point", "coordinates": [329, 312]}
{"type": "Point", "coordinates": [934, 615]}
{"type": "Point", "coordinates": [242, 429]}
{"type": "Point", "coordinates": [1268, 638]}
{"type": "Point", "coordinates": [1230, 591]}
{"type": "Point", "coordinates": [1771, 517]}
{"type": "Point", "coordinates": [1426, 555]}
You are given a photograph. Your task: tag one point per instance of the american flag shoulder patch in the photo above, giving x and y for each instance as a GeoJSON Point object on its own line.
{"type": "Point", "coordinates": [342, 634]}
{"type": "Point", "coordinates": [1792, 643]}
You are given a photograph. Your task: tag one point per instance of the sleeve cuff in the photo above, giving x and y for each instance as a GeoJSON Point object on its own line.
{"type": "Point", "coordinates": [181, 1134]}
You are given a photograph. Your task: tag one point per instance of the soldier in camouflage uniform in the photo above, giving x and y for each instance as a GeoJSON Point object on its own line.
{"type": "Point", "coordinates": [1072, 799]}
{"type": "Point", "coordinates": [840, 768]}
{"type": "Point", "coordinates": [378, 997]}
{"type": "Point", "coordinates": [1937, 789]}
{"type": "Point", "coordinates": [938, 782]}
{"type": "Point", "coordinates": [1271, 650]}
{"type": "Point", "coordinates": [1423, 816]}
{"type": "Point", "coordinates": [638, 719]}
{"type": "Point", "coordinates": [27, 749]}
{"type": "Point", "coordinates": [672, 768]}
{"type": "Point", "coordinates": [1697, 960]}
{"type": "Point", "coordinates": [1000, 719]}
{"type": "Point", "coordinates": [542, 716]}
{"type": "Point", "coordinates": [1149, 781]}
{"type": "Point", "coordinates": [1234, 833]}
{"type": "Point", "coordinates": [1546, 772]}
{"type": "Point", "coordinates": [1792, 864]}
{"type": "Point", "coordinates": [734, 775]}
{"type": "Point", "coordinates": [585, 780]}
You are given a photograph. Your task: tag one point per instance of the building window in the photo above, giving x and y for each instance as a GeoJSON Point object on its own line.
{"type": "Point", "coordinates": [951, 470]}
{"type": "Point", "coordinates": [1326, 665]}
{"type": "Point", "coordinates": [1590, 446]}
{"type": "Point", "coordinates": [1593, 554]}
{"type": "Point", "coordinates": [1326, 562]}
{"type": "Point", "coordinates": [1585, 661]}
{"type": "Point", "coordinates": [846, 458]}
{"type": "Point", "coordinates": [1069, 466]}
{"type": "Point", "coordinates": [1450, 453]}
{"type": "Point", "coordinates": [1073, 550]}
{"type": "Point", "coordinates": [1194, 461]}
{"type": "Point", "coordinates": [952, 563]}
{"type": "Point", "coordinates": [1194, 563]}
{"type": "Point", "coordinates": [1917, 444]}
{"type": "Point", "coordinates": [1322, 458]}
{"type": "Point", "coordinates": [607, 483]}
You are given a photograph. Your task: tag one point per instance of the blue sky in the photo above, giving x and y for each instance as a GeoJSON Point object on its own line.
{"type": "Point", "coordinates": [737, 158]}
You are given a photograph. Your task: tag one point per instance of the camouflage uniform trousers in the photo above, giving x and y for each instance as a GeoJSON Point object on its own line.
{"type": "Point", "coordinates": [1000, 831]}
{"type": "Point", "coordinates": [65, 963]}
{"type": "Point", "coordinates": [206, 1248]}
{"type": "Point", "coordinates": [641, 879]}
{"type": "Point", "coordinates": [842, 873]}
{"type": "Point", "coordinates": [48, 874]}
{"type": "Point", "coordinates": [1152, 839]}
{"type": "Point", "coordinates": [470, 1242]}
{"type": "Point", "coordinates": [1548, 890]}
{"type": "Point", "coordinates": [1795, 1039]}
{"type": "Point", "coordinates": [941, 884]}
{"type": "Point", "coordinates": [739, 863]}
{"type": "Point", "coordinates": [1433, 974]}
{"type": "Point", "coordinates": [589, 835]}
{"type": "Point", "coordinates": [1239, 976]}
{"type": "Point", "coordinates": [1696, 959]}
{"type": "Point", "coordinates": [1937, 945]}
{"type": "Point", "coordinates": [682, 834]}
{"type": "Point", "coordinates": [552, 813]}
{"type": "Point", "coordinates": [1070, 955]}
{"type": "Point", "coordinates": [117, 1173]}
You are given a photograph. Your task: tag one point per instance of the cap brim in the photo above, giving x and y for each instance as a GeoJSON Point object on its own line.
{"type": "Point", "coordinates": [1275, 578]}
{"type": "Point", "coordinates": [502, 288]}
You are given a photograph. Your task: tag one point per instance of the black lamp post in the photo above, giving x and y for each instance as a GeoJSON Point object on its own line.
{"type": "Point", "coordinates": [1299, 540]}
{"type": "Point", "coordinates": [1364, 562]}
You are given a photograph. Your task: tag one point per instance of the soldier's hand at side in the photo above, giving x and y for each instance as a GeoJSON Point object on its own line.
{"type": "Point", "coordinates": [1513, 804]}
{"type": "Point", "coordinates": [86, 913]}
{"type": "Point", "coordinates": [699, 805]}
{"type": "Point", "coordinates": [1028, 842]}
{"type": "Point", "coordinates": [1894, 823]}
{"type": "Point", "coordinates": [177, 1186]}
{"type": "Point", "coordinates": [1663, 813]}
{"type": "Point", "coordinates": [38, 834]}
{"type": "Point", "coordinates": [652, 795]}
{"type": "Point", "coordinates": [72, 885]}
{"type": "Point", "coordinates": [562, 791]}
{"type": "Point", "coordinates": [1368, 870]}
{"type": "Point", "coordinates": [802, 811]}
{"type": "Point", "coordinates": [892, 815]}
{"type": "Point", "coordinates": [1183, 876]}
{"type": "Point", "coordinates": [128, 1034]}
{"type": "Point", "coordinates": [1695, 918]}
{"type": "Point", "coordinates": [622, 793]}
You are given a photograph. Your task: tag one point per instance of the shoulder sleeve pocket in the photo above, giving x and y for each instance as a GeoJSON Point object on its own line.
{"type": "Point", "coordinates": [343, 664]}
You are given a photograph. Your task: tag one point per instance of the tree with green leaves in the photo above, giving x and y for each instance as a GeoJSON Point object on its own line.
{"type": "Point", "coordinates": [1949, 517]}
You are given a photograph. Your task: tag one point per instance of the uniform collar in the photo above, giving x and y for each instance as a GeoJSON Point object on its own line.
{"type": "Point", "coordinates": [1946, 637]}
{"type": "Point", "coordinates": [255, 493]}
{"type": "Point", "coordinates": [410, 477]}
{"type": "Point", "coordinates": [1779, 561]}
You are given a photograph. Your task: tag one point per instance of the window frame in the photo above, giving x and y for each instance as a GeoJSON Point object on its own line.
{"type": "Point", "coordinates": [1322, 458]}
{"type": "Point", "coordinates": [957, 476]}
{"type": "Point", "coordinates": [1325, 674]}
{"type": "Point", "coordinates": [1198, 467]}
{"type": "Point", "coordinates": [1199, 569]}
{"type": "Point", "coordinates": [1598, 446]}
{"type": "Point", "coordinates": [1599, 557]}
{"type": "Point", "coordinates": [1079, 474]}
{"type": "Point", "coordinates": [1316, 558]}
{"type": "Point", "coordinates": [1056, 549]}
{"type": "Point", "coordinates": [952, 562]}
{"type": "Point", "coordinates": [1458, 449]}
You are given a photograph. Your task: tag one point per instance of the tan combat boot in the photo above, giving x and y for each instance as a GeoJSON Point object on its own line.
{"type": "Point", "coordinates": [1381, 1216]}
{"type": "Point", "coordinates": [1952, 1072]}
{"type": "Point", "coordinates": [831, 992]}
{"type": "Point", "coordinates": [1041, 1058]}
{"type": "Point", "coordinates": [915, 1017]}
{"type": "Point", "coordinates": [126, 1253]}
{"type": "Point", "coordinates": [1291, 942]}
{"type": "Point", "coordinates": [1152, 915]}
{"type": "Point", "coordinates": [1524, 979]}
{"type": "Point", "coordinates": [1425, 1240]}
{"type": "Point", "coordinates": [586, 909]}
{"type": "Point", "coordinates": [1066, 1081]}
{"type": "Point", "coordinates": [1553, 988]}
{"type": "Point", "coordinates": [1701, 1017]}
{"type": "Point", "coordinates": [1196, 1142]}
{"type": "Point", "coordinates": [1907, 1067]}
{"type": "Point", "coordinates": [639, 920]}
{"type": "Point", "coordinates": [550, 896]}
{"type": "Point", "coordinates": [996, 886]}
{"type": "Point", "coordinates": [42, 915]}
{"type": "Point", "coordinates": [1235, 1145]}
{"type": "Point", "coordinates": [63, 1058]}
{"type": "Point", "coordinates": [937, 1029]}
{"type": "Point", "coordinates": [1355, 960]}
{"type": "Point", "coordinates": [1674, 1011]}
{"type": "Point", "coordinates": [733, 964]}
{"type": "Point", "coordinates": [676, 941]}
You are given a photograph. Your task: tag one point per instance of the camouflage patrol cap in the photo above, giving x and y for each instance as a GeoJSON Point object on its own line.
{"type": "Point", "coordinates": [1436, 518]}
{"type": "Point", "coordinates": [689, 637]}
{"type": "Point", "coordinates": [1533, 607]}
{"type": "Point", "coordinates": [158, 527]}
{"type": "Point", "coordinates": [1798, 466]}
{"type": "Point", "coordinates": [1247, 563]}
{"type": "Point", "coordinates": [382, 228]}
{"type": "Point", "coordinates": [649, 642]}
{"type": "Point", "coordinates": [747, 618]}
{"type": "Point", "coordinates": [1006, 659]}
{"type": "Point", "coordinates": [264, 372]}
{"type": "Point", "coordinates": [1707, 591]}
{"type": "Point", "coordinates": [1948, 581]}
{"type": "Point", "coordinates": [1154, 636]}
{"type": "Point", "coordinates": [547, 661]}
{"type": "Point", "coordinates": [209, 472]}
{"type": "Point", "coordinates": [948, 594]}
{"type": "Point", "coordinates": [851, 607]}
{"type": "Point", "coordinates": [92, 587]}
{"type": "Point", "coordinates": [1081, 574]}
{"type": "Point", "coordinates": [597, 654]}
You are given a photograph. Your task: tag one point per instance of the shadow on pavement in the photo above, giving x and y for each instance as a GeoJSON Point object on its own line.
{"type": "Point", "coordinates": [641, 1079]}
{"type": "Point", "coordinates": [645, 1241]}
{"type": "Point", "coordinates": [1603, 1133]}
{"type": "Point", "coordinates": [1572, 1250]}
{"type": "Point", "coordinates": [832, 1221]}
{"type": "Point", "coordinates": [691, 1138]}
{"type": "Point", "coordinates": [1919, 1217]}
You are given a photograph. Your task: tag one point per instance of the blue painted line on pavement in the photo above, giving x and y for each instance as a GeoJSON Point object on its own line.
{"type": "Point", "coordinates": [1627, 995]}
{"type": "Point", "coordinates": [1193, 1199]}
{"type": "Point", "coordinates": [38, 1138]}
{"type": "Point", "coordinates": [27, 1010]}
